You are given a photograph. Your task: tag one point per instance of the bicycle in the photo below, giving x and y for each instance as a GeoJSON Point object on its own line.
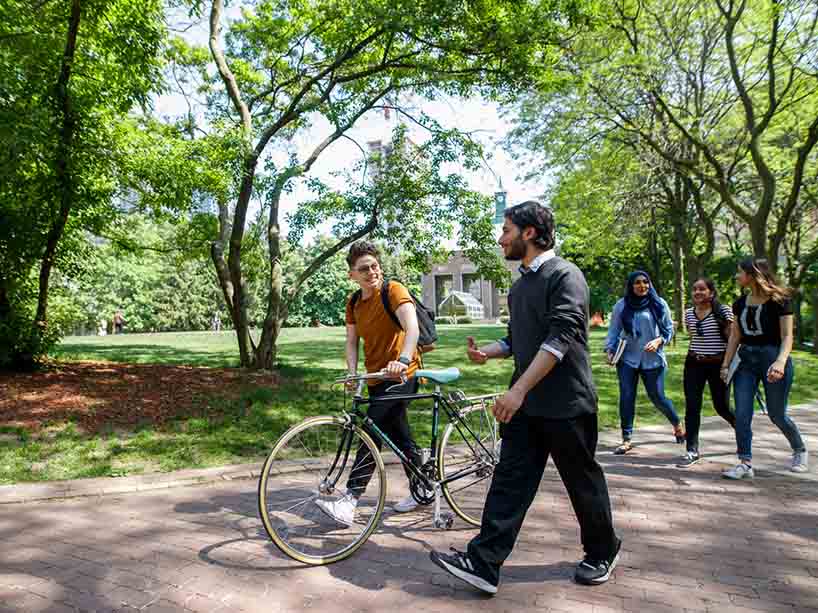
{"type": "Point", "coordinates": [312, 461]}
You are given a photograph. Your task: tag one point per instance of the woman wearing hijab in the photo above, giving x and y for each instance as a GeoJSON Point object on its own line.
{"type": "Point", "coordinates": [642, 319]}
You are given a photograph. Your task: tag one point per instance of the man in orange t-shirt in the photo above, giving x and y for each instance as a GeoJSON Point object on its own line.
{"type": "Point", "coordinates": [386, 347]}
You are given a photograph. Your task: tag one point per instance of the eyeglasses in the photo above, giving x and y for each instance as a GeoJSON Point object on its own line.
{"type": "Point", "coordinates": [374, 267]}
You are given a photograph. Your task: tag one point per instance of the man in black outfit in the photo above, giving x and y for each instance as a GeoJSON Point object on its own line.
{"type": "Point", "coordinates": [550, 408]}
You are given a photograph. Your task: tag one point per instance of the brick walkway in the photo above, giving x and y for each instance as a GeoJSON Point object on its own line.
{"type": "Point", "coordinates": [692, 541]}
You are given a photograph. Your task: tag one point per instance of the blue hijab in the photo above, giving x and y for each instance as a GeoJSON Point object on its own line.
{"type": "Point", "coordinates": [634, 303]}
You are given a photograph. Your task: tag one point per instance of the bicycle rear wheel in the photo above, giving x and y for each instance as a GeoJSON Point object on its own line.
{"type": "Point", "coordinates": [311, 462]}
{"type": "Point", "coordinates": [460, 452]}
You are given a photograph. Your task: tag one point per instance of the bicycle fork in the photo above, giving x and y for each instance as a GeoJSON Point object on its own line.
{"type": "Point", "coordinates": [330, 481]}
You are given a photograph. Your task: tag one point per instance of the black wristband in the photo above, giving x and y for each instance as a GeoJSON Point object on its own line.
{"type": "Point", "coordinates": [404, 360]}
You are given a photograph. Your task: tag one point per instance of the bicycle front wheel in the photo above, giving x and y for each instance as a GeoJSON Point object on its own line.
{"type": "Point", "coordinates": [307, 471]}
{"type": "Point", "coordinates": [470, 447]}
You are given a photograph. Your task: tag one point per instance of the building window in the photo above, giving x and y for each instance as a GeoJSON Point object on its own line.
{"type": "Point", "coordinates": [471, 285]}
{"type": "Point", "coordinates": [443, 287]}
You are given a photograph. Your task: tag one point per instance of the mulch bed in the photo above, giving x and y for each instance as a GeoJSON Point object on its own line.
{"type": "Point", "coordinates": [105, 395]}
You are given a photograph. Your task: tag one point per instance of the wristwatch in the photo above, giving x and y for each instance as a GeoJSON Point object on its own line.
{"type": "Point", "coordinates": [404, 360]}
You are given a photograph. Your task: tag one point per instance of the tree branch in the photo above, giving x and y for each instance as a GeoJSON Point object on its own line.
{"type": "Point", "coordinates": [323, 257]}
{"type": "Point", "coordinates": [226, 74]}
{"type": "Point", "coordinates": [292, 111]}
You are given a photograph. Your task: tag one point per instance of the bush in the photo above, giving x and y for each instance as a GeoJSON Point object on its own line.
{"type": "Point", "coordinates": [503, 319]}
{"type": "Point", "coordinates": [464, 320]}
{"type": "Point", "coordinates": [445, 319]}
{"type": "Point", "coordinates": [22, 346]}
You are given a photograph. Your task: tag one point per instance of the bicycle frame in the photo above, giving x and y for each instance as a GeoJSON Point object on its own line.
{"type": "Point", "coordinates": [357, 415]}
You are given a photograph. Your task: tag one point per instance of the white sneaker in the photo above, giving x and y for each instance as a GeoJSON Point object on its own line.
{"type": "Point", "coordinates": [341, 510]}
{"type": "Point", "coordinates": [800, 461]}
{"type": "Point", "coordinates": [406, 505]}
{"type": "Point", "coordinates": [740, 471]}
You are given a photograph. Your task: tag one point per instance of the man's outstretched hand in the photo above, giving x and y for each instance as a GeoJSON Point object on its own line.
{"type": "Point", "coordinates": [474, 353]}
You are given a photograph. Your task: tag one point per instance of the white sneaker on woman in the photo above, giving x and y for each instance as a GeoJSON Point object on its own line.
{"type": "Point", "coordinates": [740, 471]}
{"type": "Point", "coordinates": [800, 461]}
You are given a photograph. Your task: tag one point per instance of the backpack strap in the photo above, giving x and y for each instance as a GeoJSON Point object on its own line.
{"type": "Point", "coordinates": [386, 306]}
{"type": "Point", "coordinates": [384, 299]}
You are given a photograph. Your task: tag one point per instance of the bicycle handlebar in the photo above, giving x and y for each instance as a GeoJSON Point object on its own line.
{"type": "Point", "coordinates": [381, 375]}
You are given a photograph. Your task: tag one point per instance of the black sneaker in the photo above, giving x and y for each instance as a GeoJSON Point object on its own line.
{"type": "Point", "coordinates": [458, 564]}
{"type": "Point", "coordinates": [595, 572]}
{"type": "Point", "coordinates": [690, 458]}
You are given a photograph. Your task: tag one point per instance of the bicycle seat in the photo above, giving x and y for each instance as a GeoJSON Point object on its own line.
{"type": "Point", "coordinates": [444, 375]}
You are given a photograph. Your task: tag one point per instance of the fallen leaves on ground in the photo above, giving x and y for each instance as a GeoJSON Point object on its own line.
{"type": "Point", "coordinates": [105, 395]}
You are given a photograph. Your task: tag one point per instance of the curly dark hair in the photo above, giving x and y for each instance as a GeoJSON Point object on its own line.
{"type": "Point", "coordinates": [531, 214]}
{"type": "Point", "coordinates": [359, 249]}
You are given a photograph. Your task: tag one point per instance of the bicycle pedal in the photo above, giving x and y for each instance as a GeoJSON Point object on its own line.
{"type": "Point", "coordinates": [445, 521]}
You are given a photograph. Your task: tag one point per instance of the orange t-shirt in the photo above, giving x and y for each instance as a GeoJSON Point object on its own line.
{"type": "Point", "coordinates": [383, 339]}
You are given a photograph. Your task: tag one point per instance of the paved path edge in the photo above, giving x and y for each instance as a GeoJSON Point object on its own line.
{"type": "Point", "coordinates": [101, 486]}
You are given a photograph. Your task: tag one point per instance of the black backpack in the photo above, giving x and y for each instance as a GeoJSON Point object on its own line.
{"type": "Point", "coordinates": [426, 317]}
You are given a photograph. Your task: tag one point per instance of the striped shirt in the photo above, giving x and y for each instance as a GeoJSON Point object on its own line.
{"type": "Point", "coordinates": [705, 338]}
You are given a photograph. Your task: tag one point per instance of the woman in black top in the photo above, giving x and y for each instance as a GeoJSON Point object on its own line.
{"type": "Point", "coordinates": [708, 324]}
{"type": "Point", "coordinates": [763, 325]}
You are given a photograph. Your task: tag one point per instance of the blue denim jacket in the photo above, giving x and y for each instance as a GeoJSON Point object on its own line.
{"type": "Point", "coordinates": [646, 330]}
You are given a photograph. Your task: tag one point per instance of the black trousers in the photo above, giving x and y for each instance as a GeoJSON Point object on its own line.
{"type": "Point", "coordinates": [696, 375]}
{"type": "Point", "coordinates": [391, 417]}
{"type": "Point", "coordinates": [527, 443]}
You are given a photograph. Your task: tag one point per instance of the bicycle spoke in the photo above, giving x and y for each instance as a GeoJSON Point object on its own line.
{"type": "Point", "coordinates": [476, 481]}
{"type": "Point", "coordinates": [292, 500]}
{"type": "Point", "coordinates": [468, 445]}
{"type": "Point", "coordinates": [301, 523]}
{"type": "Point", "coordinates": [298, 504]}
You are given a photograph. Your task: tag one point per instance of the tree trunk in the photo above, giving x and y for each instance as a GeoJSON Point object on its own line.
{"type": "Point", "coordinates": [63, 176]}
{"type": "Point", "coordinates": [797, 301]}
{"type": "Point", "coordinates": [678, 284]}
{"type": "Point", "coordinates": [815, 321]}
{"type": "Point", "coordinates": [238, 310]}
{"type": "Point", "coordinates": [5, 304]}
{"type": "Point", "coordinates": [693, 270]}
{"type": "Point", "coordinates": [225, 277]}
{"type": "Point", "coordinates": [758, 238]}
{"type": "Point", "coordinates": [265, 352]}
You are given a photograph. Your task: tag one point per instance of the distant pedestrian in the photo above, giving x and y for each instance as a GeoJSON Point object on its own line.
{"type": "Point", "coordinates": [708, 323]}
{"type": "Point", "coordinates": [216, 323]}
{"type": "Point", "coordinates": [119, 322]}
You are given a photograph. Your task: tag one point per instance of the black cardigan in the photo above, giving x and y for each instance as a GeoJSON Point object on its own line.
{"type": "Point", "coordinates": [550, 305]}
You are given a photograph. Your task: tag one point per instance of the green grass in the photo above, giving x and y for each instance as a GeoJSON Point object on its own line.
{"type": "Point", "coordinates": [243, 430]}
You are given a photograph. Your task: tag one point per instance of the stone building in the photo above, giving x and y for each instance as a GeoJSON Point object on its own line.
{"type": "Point", "coordinates": [459, 274]}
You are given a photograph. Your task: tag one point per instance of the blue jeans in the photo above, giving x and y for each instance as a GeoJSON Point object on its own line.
{"type": "Point", "coordinates": [654, 381]}
{"type": "Point", "coordinates": [755, 361]}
